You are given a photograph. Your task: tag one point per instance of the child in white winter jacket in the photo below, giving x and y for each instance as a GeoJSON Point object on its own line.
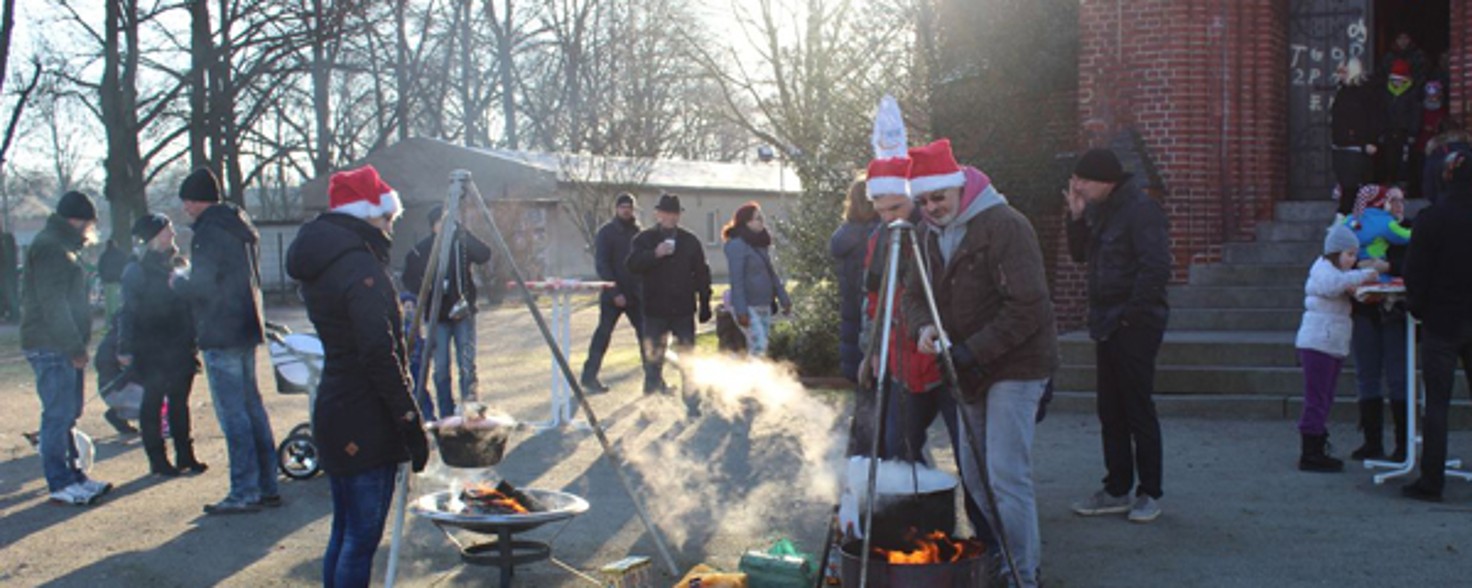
{"type": "Point", "coordinates": [1323, 340]}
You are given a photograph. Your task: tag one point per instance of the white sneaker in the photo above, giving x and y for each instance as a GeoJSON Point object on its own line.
{"type": "Point", "coordinates": [75, 494]}
{"type": "Point", "coordinates": [97, 487]}
{"type": "Point", "coordinates": [1102, 503]}
{"type": "Point", "coordinates": [1144, 510]}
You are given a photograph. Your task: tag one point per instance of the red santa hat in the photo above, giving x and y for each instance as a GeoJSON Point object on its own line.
{"type": "Point", "coordinates": [888, 176]}
{"type": "Point", "coordinates": [361, 193]}
{"type": "Point", "coordinates": [1400, 67]}
{"type": "Point", "coordinates": [934, 168]}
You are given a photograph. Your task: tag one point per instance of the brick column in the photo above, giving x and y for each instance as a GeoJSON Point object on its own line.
{"type": "Point", "coordinates": [1192, 95]}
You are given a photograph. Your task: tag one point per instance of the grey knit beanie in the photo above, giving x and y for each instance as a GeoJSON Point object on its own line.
{"type": "Point", "coordinates": [1340, 238]}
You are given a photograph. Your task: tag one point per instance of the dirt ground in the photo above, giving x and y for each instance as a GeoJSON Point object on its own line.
{"type": "Point", "coordinates": [1237, 513]}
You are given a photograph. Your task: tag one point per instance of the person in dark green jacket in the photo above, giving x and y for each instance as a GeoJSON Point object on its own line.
{"type": "Point", "coordinates": [56, 324]}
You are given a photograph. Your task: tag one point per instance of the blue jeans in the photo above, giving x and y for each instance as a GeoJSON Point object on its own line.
{"type": "Point", "coordinates": [59, 385]}
{"type": "Point", "coordinates": [360, 505]}
{"type": "Point", "coordinates": [252, 448]}
{"type": "Point", "coordinates": [758, 332]}
{"type": "Point", "coordinates": [462, 332]}
{"type": "Point", "coordinates": [1379, 346]}
{"type": "Point", "coordinates": [1010, 411]}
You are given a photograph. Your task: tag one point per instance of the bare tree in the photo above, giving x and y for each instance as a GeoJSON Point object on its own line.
{"type": "Point", "coordinates": [596, 181]}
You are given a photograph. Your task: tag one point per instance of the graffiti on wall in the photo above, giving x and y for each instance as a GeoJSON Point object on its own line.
{"type": "Point", "coordinates": [1323, 35]}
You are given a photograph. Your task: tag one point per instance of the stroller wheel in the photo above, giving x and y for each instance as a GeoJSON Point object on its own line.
{"type": "Point", "coordinates": [302, 429]}
{"type": "Point", "coordinates": [297, 457]}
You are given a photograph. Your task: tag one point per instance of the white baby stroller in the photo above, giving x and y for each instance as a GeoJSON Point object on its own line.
{"type": "Point", "coordinates": [296, 359]}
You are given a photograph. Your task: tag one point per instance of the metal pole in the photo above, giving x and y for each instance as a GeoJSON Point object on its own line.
{"type": "Point", "coordinates": [891, 271]}
{"type": "Point", "coordinates": [462, 178]}
{"type": "Point", "coordinates": [401, 499]}
{"type": "Point", "coordinates": [953, 385]}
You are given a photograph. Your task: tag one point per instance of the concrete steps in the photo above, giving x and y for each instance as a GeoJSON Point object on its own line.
{"type": "Point", "coordinates": [1229, 348]}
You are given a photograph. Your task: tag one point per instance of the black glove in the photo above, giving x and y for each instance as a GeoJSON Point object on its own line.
{"type": "Point", "coordinates": [417, 442]}
{"type": "Point", "coordinates": [705, 312]}
{"type": "Point", "coordinates": [1043, 402]}
{"type": "Point", "coordinates": [967, 368]}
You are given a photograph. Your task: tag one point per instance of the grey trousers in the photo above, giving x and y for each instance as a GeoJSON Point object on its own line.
{"type": "Point", "coordinates": [1011, 407]}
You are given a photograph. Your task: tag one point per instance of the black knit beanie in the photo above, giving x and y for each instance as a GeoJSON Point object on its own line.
{"type": "Point", "coordinates": [149, 225]}
{"type": "Point", "coordinates": [1099, 165]}
{"type": "Point", "coordinates": [76, 205]}
{"type": "Point", "coordinates": [200, 186]}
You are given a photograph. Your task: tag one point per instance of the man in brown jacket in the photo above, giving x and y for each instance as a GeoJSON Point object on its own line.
{"type": "Point", "coordinates": [986, 269]}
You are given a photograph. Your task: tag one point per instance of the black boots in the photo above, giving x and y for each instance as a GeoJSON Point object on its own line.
{"type": "Point", "coordinates": [1372, 424]}
{"type": "Point", "coordinates": [158, 463]}
{"type": "Point", "coordinates": [1315, 458]}
{"type": "Point", "coordinates": [1398, 414]}
{"type": "Point", "coordinates": [184, 452]}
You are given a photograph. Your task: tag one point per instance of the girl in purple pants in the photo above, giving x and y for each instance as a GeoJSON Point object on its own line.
{"type": "Point", "coordinates": [1323, 340]}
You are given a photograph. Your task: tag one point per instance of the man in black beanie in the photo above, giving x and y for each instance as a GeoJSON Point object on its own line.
{"type": "Point", "coordinates": [456, 322]}
{"type": "Point", "coordinates": [1124, 238]}
{"type": "Point", "coordinates": [56, 325]}
{"type": "Point", "coordinates": [610, 249]}
{"type": "Point", "coordinates": [223, 289]}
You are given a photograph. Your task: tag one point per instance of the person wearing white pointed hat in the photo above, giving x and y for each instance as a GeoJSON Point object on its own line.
{"type": "Point", "coordinates": [991, 293]}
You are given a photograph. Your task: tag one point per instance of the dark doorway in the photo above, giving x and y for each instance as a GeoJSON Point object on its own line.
{"type": "Point", "coordinates": [1426, 24]}
{"type": "Point", "coordinates": [1426, 21]}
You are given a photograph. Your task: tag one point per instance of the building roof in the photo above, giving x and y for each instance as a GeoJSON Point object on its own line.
{"type": "Point", "coordinates": [672, 174]}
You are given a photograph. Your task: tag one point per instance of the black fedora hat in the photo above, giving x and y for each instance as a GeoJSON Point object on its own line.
{"type": "Point", "coordinates": [669, 203]}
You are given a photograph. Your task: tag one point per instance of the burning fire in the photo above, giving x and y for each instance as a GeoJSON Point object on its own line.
{"type": "Point", "coordinates": [483, 496]}
{"type": "Point", "coordinates": [933, 549]}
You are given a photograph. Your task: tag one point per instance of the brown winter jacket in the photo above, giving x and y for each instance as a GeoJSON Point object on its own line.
{"type": "Point", "coordinates": [993, 297]}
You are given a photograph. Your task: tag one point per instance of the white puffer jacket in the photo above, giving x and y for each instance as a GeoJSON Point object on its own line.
{"type": "Point", "coordinates": [1326, 325]}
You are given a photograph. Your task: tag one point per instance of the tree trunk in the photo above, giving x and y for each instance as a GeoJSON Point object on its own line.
{"type": "Point", "coordinates": [504, 59]}
{"type": "Point", "coordinates": [199, 64]}
{"type": "Point", "coordinates": [321, 101]}
{"type": "Point", "coordinates": [401, 71]}
{"type": "Point", "coordinates": [124, 186]}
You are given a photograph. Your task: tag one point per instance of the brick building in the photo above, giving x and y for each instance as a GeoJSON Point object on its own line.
{"type": "Point", "coordinates": [1220, 107]}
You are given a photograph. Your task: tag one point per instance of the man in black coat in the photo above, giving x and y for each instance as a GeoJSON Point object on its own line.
{"type": "Point", "coordinates": [156, 338]}
{"type": "Point", "coordinates": [1123, 236]}
{"type": "Point", "coordinates": [223, 289]}
{"type": "Point", "coordinates": [670, 262]}
{"type": "Point", "coordinates": [1439, 292]}
{"type": "Point", "coordinates": [611, 248]}
{"type": "Point", "coordinates": [456, 321]}
{"type": "Point", "coordinates": [365, 421]}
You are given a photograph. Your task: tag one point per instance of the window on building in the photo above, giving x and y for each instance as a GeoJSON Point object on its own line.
{"type": "Point", "coordinates": [713, 228]}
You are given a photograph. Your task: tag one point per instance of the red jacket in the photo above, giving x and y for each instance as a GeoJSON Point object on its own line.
{"type": "Point", "coordinates": [918, 371]}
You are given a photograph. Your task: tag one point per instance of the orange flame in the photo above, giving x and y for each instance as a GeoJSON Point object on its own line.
{"type": "Point", "coordinates": [932, 549]}
{"type": "Point", "coordinates": [486, 494]}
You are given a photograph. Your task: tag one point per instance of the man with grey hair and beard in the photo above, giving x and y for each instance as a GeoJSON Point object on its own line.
{"type": "Point", "coordinates": [991, 292]}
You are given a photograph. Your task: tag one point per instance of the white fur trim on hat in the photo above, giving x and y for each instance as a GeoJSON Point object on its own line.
{"type": "Point", "coordinates": [884, 186]}
{"type": "Point", "coordinates": [388, 205]}
{"type": "Point", "coordinates": [925, 184]}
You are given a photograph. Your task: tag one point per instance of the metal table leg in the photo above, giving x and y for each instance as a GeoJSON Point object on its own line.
{"type": "Point", "coordinates": [1413, 437]}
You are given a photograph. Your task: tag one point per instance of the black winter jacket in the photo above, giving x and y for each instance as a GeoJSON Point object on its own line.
{"type": "Point", "coordinates": [54, 312]}
{"type": "Point", "coordinates": [1126, 242]}
{"type": "Point", "coordinates": [1403, 113]}
{"type": "Point", "coordinates": [358, 421]}
{"type": "Point", "coordinates": [671, 284]}
{"type": "Point", "coordinates": [111, 263]}
{"type": "Point", "coordinates": [1437, 274]}
{"type": "Point", "coordinates": [1357, 116]}
{"type": "Point", "coordinates": [224, 283]}
{"type": "Point", "coordinates": [611, 247]}
{"type": "Point", "coordinates": [847, 246]}
{"type": "Point", "coordinates": [155, 326]}
{"type": "Point", "coordinates": [464, 251]}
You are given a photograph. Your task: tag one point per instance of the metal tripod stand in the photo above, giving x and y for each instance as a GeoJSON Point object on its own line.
{"type": "Point", "coordinates": [976, 432]}
{"type": "Point", "coordinates": [463, 192]}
